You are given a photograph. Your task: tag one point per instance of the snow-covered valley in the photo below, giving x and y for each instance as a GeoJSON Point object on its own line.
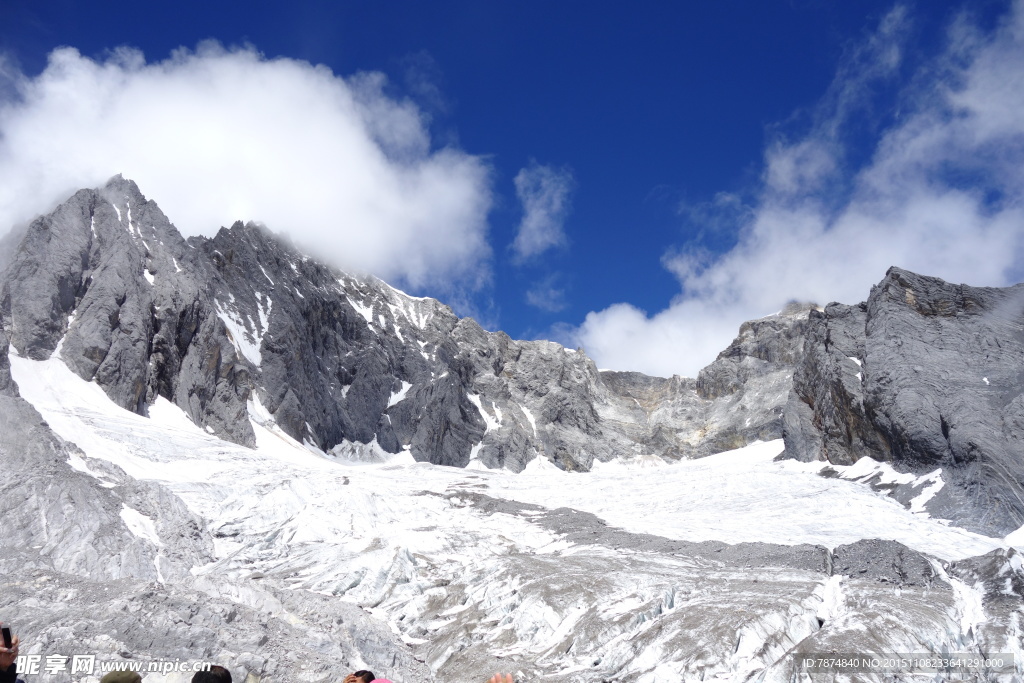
{"type": "Point", "coordinates": [219, 449]}
{"type": "Point", "coordinates": [622, 573]}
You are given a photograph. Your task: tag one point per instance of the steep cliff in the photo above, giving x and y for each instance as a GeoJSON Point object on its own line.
{"type": "Point", "coordinates": [925, 375]}
{"type": "Point", "coordinates": [244, 325]}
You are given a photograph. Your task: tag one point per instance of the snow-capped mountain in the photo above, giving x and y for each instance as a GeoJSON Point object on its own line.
{"type": "Point", "coordinates": [220, 449]}
{"type": "Point", "coordinates": [347, 363]}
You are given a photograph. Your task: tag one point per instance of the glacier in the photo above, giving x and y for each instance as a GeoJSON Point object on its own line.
{"type": "Point", "coordinates": [608, 575]}
{"type": "Point", "coordinates": [326, 474]}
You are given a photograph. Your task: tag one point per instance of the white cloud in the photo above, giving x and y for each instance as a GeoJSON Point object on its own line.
{"type": "Point", "coordinates": [942, 193]}
{"type": "Point", "coordinates": [217, 135]}
{"type": "Point", "coordinates": [546, 295]}
{"type": "Point", "coordinates": [544, 193]}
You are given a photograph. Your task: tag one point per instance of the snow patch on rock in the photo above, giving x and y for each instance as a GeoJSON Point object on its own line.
{"type": "Point", "coordinates": [491, 419]}
{"type": "Point", "coordinates": [247, 343]}
{"type": "Point", "coordinates": [399, 396]}
{"type": "Point", "coordinates": [142, 526]}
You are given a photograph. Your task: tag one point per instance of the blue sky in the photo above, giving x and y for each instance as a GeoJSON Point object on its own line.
{"type": "Point", "coordinates": [637, 180]}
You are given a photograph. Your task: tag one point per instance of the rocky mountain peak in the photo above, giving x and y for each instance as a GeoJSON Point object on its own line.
{"type": "Point", "coordinates": [244, 324]}
{"type": "Point", "coordinates": [925, 374]}
{"type": "Point", "coordinates": [764, 346]}
{"type": "Point", "coordinates": [725, 566]}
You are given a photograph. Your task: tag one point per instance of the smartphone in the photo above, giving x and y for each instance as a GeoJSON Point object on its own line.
{"type": "Point", "coordinates": [6, 631]}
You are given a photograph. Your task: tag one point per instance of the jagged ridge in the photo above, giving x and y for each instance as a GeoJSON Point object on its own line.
{"type": "Point", "coordinates": [349, 363]}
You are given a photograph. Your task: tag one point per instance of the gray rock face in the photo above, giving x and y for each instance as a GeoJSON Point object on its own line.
{"type": "Point", "coordinates": [351, 359]}
{"type": "Point", "coordinates": [9, 244]}
{"type": "Point", "coordinates": [925, 375]}
{"type": "Point", "coordinates": [109, 279]}
{"type": "Point", "coordinates": [349, 363]}
{"type": "Point", "coordinates": [765, 346]}
{"type": "Point", "coordinates": [884, 561]}
{"type": "Point", "coordinates": [664, 416]}
{"type": "Point", "coordinates": [7, 386]}
{"type": "Point", "coordinates": [829, 392]}
{"type": "Point", "coordinates": [749, 382]}
{"type": "Point", "coordinates": [60, 512]}
{"type": "Point", "coordinates": [736, 400]}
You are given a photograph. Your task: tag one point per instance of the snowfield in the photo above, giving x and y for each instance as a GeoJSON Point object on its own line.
{"type": "Point", "coordinates": [573, 577]}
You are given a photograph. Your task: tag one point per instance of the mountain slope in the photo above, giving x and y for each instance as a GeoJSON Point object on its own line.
{"type": "Point", "coordinates": [244, 324]}
{"type": "Point", "coordinates": [726, 566]}
{"type": "Point", "coordinates": [221, 449]}
{"type": "Point", "coordinates": [926, 375]}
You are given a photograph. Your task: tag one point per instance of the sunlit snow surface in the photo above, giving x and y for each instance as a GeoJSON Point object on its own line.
{"type": "Point", "coordinates": [372, 532]}
{"type": "Point", "coordinates": [736, 496]}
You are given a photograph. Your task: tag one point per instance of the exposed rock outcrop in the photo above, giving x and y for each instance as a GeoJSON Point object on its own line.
{"type": "Point", "coordinates": [884, 561]}
{"type": "Point", "coordinates": [764, 347]}
{"type": "Point", "coordinates": [107, 281]}
{"type": "Point", "coordinates": [7, 386]}
{"type": "Point", "coordinates": [926, 375]}
{"type": "Point", "coordinates": [243, 325]}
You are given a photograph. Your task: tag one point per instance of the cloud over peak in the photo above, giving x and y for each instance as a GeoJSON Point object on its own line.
{"type": "Point", "coordinates": [217, 135]}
